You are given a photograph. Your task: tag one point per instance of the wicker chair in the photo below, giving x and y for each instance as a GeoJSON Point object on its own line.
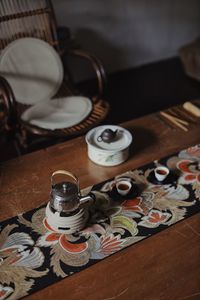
{"type": "Point", "coordinates": [35, 18]}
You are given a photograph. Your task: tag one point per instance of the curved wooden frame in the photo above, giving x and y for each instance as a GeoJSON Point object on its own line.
{"type": "Point", "coordinates": [97, 67]}
{"type": "Point", "coordinates": [10, 103]}
{"type": "Point", "coordinates": [14, 109]}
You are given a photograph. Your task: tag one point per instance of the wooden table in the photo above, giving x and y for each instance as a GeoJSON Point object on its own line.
{"type": "Point", "coordinates": [165, 266]}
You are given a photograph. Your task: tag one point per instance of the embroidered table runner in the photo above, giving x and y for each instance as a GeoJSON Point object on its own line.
{"type": "Point", "coordinates": [33, 255]}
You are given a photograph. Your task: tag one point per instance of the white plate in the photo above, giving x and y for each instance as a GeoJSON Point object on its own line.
{"type": "Point", "coordinates": [58, 113]}
{"type": "Point", "coordinates": [33, 68]}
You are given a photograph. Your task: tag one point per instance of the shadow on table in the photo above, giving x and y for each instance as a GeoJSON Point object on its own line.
{"type": "Point", "coordinates": [142, 138]}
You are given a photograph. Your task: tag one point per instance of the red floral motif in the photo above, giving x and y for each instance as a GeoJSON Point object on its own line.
{"type": "Point", "coordinates": [2, 293]}
{"type": "Point", "coordinates": [47, 226]}
{"type": "Point", "coordinates": [53, 237]}
{"type": "Point", "coordinates": [133, 205]}
{"type": "Point", "coordinates": [5, 291]}
{"type": "Point", "coordinates": [154, 219]}
{"type": "Point", "coordinates": [8, 252]}
{"type": "Point", "coordinates": [72, 248]}
{"type": "Point", "coordinates": [190, 170]}
{"type": "Point", "coordinates": [110, 244]}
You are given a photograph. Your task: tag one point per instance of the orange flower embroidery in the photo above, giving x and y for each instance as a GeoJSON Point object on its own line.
{"type": "Point", "coordinates": [72, 248]}
{"type": "Point", "coordinates": [154, 219]}
{"type": "Point", "coordinates": [110, 244]}
{"type": "Point", "coordinates": [190, 171]}
{"type": "Point", "coordinates": [52, 237]}
{"type": "Point", "coordinates": [133, 205]}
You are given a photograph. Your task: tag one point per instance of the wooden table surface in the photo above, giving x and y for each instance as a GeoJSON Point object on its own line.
{"type": "Point", "coordinates": [165, 266]}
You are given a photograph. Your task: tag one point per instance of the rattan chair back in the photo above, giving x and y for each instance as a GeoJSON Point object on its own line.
{"type": "Point", "coordinates": [27, 18]}
{"type": "Point", "coordinates": [36, 18]}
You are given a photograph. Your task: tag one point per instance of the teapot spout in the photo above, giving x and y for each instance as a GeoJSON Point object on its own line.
{"type": "Point", "coordinates": [90, 198]}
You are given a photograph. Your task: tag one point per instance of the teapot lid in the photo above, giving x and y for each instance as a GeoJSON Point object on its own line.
{"type": "Point", "coordinates": [122, 139]}
{"type": "Point", "coordinates": [64, 194]}
{"type": "Point", "coordinates": [64, 191]}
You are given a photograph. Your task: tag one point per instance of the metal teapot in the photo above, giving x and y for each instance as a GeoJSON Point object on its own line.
{"type": "Point", "coordinates": [107, 136]}
{"type": "Point", "coordinates": [66, 196]}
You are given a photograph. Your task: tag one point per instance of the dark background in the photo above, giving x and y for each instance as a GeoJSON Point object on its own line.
{"type": "Point", "coordinates": [138, 42]}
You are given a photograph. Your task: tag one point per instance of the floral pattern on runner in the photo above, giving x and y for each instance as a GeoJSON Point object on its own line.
{"type": "Point", "coordinates": [33, 255]}
{"type": "Point", "coordinates": [19, 261]}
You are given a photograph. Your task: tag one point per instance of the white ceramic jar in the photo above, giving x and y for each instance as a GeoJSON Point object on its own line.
{"type": "Point", "coordinates": [112, 153]}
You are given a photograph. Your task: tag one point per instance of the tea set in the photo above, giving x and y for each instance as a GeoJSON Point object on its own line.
{"type": "Point", "coordinates": [67, 210]}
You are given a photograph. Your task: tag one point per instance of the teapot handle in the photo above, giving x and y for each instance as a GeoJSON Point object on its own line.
{"type": "Point", "coordinates": [67, 173]}
{"type": "Point", "coordinates": [99, 138]}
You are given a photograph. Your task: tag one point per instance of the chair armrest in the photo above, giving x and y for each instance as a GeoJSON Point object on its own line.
{"type": "Point", "coordinates": [97, 66]}
{"type": "Point", "coordinates": [7, 96]}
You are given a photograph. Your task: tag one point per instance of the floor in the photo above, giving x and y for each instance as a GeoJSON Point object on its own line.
{"type": "Point", "coordinates": [134, 93]}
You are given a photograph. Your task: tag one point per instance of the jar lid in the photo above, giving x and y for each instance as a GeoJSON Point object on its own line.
{"type": "Point", "coordinates": [122, 140]}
